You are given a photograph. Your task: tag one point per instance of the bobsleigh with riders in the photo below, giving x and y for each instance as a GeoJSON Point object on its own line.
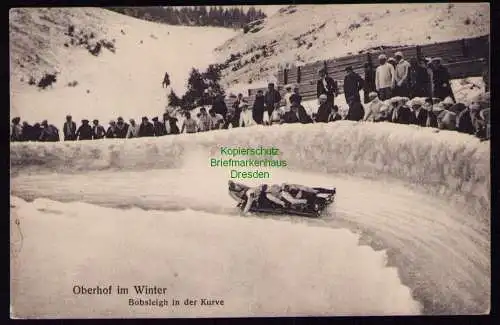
{"type": "Point", "coordinates": [317, 202]}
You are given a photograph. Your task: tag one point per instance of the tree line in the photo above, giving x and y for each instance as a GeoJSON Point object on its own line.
{"type": "Point", "coordinates": [233, 17]}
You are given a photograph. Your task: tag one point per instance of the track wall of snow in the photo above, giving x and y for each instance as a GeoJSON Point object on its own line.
{"type": "Point", "coordinates": [449, 164]}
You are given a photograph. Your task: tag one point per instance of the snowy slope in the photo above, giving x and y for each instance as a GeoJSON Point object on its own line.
{"type": "Point", "coordinates": [306, 33]}
{"type": "Point", "coordinates": [127, 82]}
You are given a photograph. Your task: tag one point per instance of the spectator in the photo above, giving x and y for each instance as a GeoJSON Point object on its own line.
{"type": "Point", "coordinates": [297, 114]}
{"type": "Point", "coordinates": [84, 132]}
{"type": "Point", "coordinates": [158, 127]}
{"type": "Point", "coordinates": [419, 115]}
{"type": "Point", "coordinates": [369, 83]}
{"type": "Point", "coordinates": [373, 108]}
{"type": "Point", "coordinates": [326, 85]}
{"type": "Point", "coordinates": [401, 114]}
{"type": "Point", "coordinates": [246, 114]}
{"type": "Point", "coordinates": [441, 80]}
{"type": "Point", "coordinates": [121, 128]}
{"type": "Point", "coordinates": [49, 132]}
{"type": "Point", "coordinates": [258, 107]}
{"type": "Point", "coordinates": [295, 97]}
{"type": "Point", "coordinates": [418, 80]}
{"type": "Point", "coordinates": [111, 132]}
{"type": "Point", "coordinates": [233, 116]}
{"type": "Point", "coordinates": [133, 129]}
{"type": "Point", "coordinates": [353, 83]}
{"type": "Point", "coordinates": [289, 93]}
{"type": "Point", "coordinates": [16, 133]}
{"type": "Point", "coordinates": [469, 120]}
{"type": "Point", "coordinates": [431, 116]}
{"type": "Point", "coordinates": [216, 120]}
{"type": "Point", "coordinates": [401, 76]}
{"type": "Point", "coordinates": [36, 132]}
{"type": "Point", "coordinates": [27, 131]}
{"type": "Point", "coordinates": [146, 129]}
{"type": "Point", "coordinates": [272, 99]}
{"type": "Point", "coordinates": [384, 78]}
{"type": "Point", "coordinates": [446, 119]}
{"type": "Point", "coordinates": [205, 121]}
{"type": "Point", "coordinates": [356, 111]}
{"type": "Point", "coordinates": [170, 123]}
{"type": "Point", "coordinates": [189, 124]}
{"type": "Point", "coordinates": [277, 116]}
{"type": "Point", "coordinates": [392, 61]}
{"type": "Point", "coordinates": [220, 106]}
{"type": "Point", "coordinates": [334, 116]}
{"type": "Point", "coordinates": [166, 80]}
{"type": "Point", "coordinates": [324, 109]}
{"type": "Point", "coordinates": [98, 131]}
{"type": "Point", "coordinates": [69, 129]}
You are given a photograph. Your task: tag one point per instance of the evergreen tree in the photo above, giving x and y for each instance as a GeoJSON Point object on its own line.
{"type": "Point", "coordinates": [174, 100]}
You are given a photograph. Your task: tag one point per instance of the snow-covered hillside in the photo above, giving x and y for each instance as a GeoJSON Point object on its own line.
{"type": "Point", "coordinates": [306, 33]}
{"type": "Point", "coordinates": [123, 79]}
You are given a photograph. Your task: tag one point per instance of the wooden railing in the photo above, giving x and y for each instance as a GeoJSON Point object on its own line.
{"type": "Point", "coordinates": [463, 58]}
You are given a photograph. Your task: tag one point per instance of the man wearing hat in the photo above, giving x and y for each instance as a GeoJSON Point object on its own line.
{"type": "Point", "coordinates": [418, 80]}
{"type": "Point", "coordinates": [158, 127]}
{"type": "Point", "coordinates": [324, 110]}
{"type": "Point", "coordinates": [121, 128]}
{"type": "Point", "coordinates": [353, 83]}
{"type": "Point", "coordinates": [385, 78]}
{"type": "Point", "coordinates": [49, 132]}
{"type": "Point", "coordinates": [441, 80]}
{"type": "Point", "coordinates": [373, 108]}
{"type": "Point", "coordinates": [146, 129]}
{"type": "Point", "coordinates": [98, 131]}
{"type": "Point", "coordinates": [272, 98]}
{"type": "Point", "coordinates": [84, 132]}
{"type": "Point", "coordinates": [369, 81]}
{"type": "Point", "coordinates": [419, 115]}
{"type": "Point", "coordinates": [69, 129]}
{"type": "Point", "coordinates": [16, 130]}
{"type": "Point", "coordinates": [133, 129]}
{"type": "Point", "coordinates": [401, 76]}
{"type": "Point", "coordinates": [326, 85]}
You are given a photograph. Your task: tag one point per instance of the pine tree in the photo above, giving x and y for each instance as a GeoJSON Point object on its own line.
{"type": "Point", "coordinates": [174, 100]}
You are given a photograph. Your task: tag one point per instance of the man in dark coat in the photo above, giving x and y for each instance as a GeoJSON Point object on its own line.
{"type": "Point", "coordinates": [170, 123]}
{"type": "Point", "coordinates": [69, 129]}
{"type": "Point", "coordinates": [49, 132]}
{"type": "Point", "coordinates": [259, 107]}
{"type": "Point", "coordinates": [402, 114]}
{"type": "Point", "coordinates": [326, 85]}
{"type": "Point", "coordinates": [111, 132]}
{"type": "Point", "coordinates": [272, 99]}
{"type": "Point", "coordinates": [297, 114]}
{"type": "Point", "coordinates": [356, 111]}
{"type": "Point", "coordinates": [121, 128]}
{"type": "Point", "coordinates": [353, 83]}
{"type": "Point", "coordinates": [27, 132]}
{"type": "Point", "coordinates": [84, 132]}
{"type": "Point", "coordinates": [98, 131]}
{"type": "Point", "coordinates": [158, 127]}
{"type": "Point", "coordinates": [369, 82]}
{"type": "Point", "coordinates": [334, 116]}
{"type": "Point", "coordinates": [324, 110]}
{"type": "Point", "coordinates": [419, 115]}
{"type": "Point", "coordinates": [36, 132]}
{"type": "Point", "coordinates": [441, 80]}
{"type": "Point", "coordinates": [146, 129]}
{"type": "Point", "coordinates": [234, 115]}
{"type": "Point", "coordinates": [418, 80]}
{"type": "Point", "coordinates": [166, 80]}
{"type": "Point", "coordinates": [220, 106]}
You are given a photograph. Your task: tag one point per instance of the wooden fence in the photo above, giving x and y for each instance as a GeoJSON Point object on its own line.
{"type": "Point", "coordinates": [463, 58]}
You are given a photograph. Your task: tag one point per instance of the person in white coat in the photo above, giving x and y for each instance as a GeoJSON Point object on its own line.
{"type": "Point", "coordinates": [246, 118]}
{"type": "Point", "coordinates": [289, 93]}
{"type": "Point", "coordinates": [402, 73]}
{"type": "Point", "coordinates": [133, 129]}
{"type": "Point", "coordinates": [385, 78]}
{"type": "Point", "coordinates": [373, 110]}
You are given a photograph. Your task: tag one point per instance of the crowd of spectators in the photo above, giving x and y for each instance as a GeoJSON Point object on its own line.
{"type": "Point", "coordinates": [396, 91]}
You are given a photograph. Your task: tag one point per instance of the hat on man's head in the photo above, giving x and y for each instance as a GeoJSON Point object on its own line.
{"type": "Point", "coordinates": [391, 59]}
{"type": "Point", "coordinates": [288, 87]}
{"type": "Point", "coordinates": [155, 118]}
{"type": "Point", "coordinates": [323, 96]}
{"type": "Point", "coordinates": [398, 53]}
{"type": "Point", "coordinates": [372, 94]}
{"type": "Point", "coordinates": [436, 59]}
{"type": "Point", "coordinates": [382, 57]}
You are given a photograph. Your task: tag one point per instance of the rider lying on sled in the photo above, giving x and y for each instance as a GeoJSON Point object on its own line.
{"type": "Point", "coordinates": [286, 196]}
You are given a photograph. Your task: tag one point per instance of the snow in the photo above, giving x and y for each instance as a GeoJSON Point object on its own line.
{"type": "Point", "coordinates": [409, 232]}
{"type": "Point", "coordinates": [379, 24]}
{"type": "Point", "coordinates": [127, 83]}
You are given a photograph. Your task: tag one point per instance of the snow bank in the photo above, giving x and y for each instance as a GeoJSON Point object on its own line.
{"type": "Point", "coordinates": [240, 260]}
{"type": "Point", "coordinates": [448, 163]}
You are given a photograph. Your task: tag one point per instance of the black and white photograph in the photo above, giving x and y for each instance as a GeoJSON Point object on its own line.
{"type": "Point", "coordinates": [250, 161]}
